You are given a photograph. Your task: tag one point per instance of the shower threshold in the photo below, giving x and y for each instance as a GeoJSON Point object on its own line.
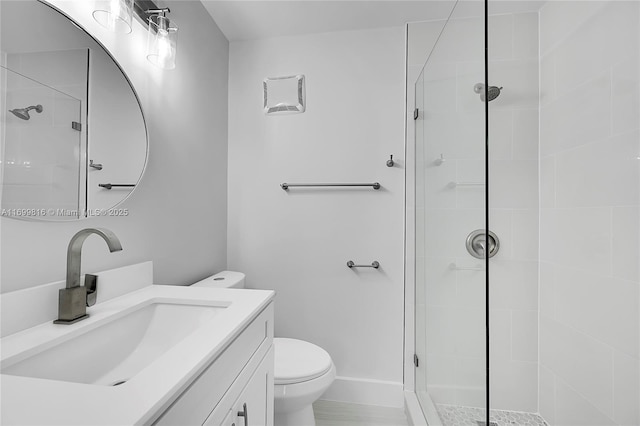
{"type": "Point", "coordinates": [456, 415]}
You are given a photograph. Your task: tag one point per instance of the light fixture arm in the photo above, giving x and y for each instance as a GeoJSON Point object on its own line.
{"type": "Point", "coordinates": [161, 12]}
{"type": "Point", "coordinates": [162, 23]}
{"type": "Point", "coordinates": [162, 36]}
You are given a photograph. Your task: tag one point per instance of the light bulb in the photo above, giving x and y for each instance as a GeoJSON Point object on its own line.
{"type": "Point", "coordinates": [162, 42]}
{"type": "Point", "coordinates": [115, 13]}
{"type": "Point", "coordinates": [164, 46]}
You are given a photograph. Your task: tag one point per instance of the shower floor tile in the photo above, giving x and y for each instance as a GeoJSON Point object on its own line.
{"type": "Point", "coordinates": [454, 415]}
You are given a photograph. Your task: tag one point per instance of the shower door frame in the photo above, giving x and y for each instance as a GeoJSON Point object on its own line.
{"type": "Point", "coordinates": [487, 227]}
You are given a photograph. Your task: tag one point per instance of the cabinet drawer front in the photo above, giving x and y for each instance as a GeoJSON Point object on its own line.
{"type": "Point", "coordinates": [253, 387]}
{"type": "Point", "coordinates": [203, 395]}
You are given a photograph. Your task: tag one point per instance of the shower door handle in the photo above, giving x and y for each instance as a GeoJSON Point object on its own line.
{"type": "Point", "coordinates": [244, 413]}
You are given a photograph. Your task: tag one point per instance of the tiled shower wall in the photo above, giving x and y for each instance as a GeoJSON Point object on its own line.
{"type": "Point", "coordinates": [589, 218]}
{"type": "Point", "coordinates": [513, 214]}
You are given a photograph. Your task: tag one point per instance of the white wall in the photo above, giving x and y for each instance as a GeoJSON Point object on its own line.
{"type": "Point", "coordinates": [589, 222]}
{"type": "Point", "coordinates": [298, 242]}
{"type": "Point", "coordinates": [178, 213]}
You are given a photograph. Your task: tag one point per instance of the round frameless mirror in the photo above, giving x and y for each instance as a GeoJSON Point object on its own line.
{"type": "Point", "coordinates": [73, 136]}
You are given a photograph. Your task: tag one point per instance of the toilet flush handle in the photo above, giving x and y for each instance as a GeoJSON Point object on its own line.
{"type": "Point", "coordinates": [244, 413]}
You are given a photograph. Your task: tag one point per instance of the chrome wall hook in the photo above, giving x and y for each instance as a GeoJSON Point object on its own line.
{"type": "Point", "coordinates": [390, 162]}
{"type": "Point", "coordinates": [439, 161]}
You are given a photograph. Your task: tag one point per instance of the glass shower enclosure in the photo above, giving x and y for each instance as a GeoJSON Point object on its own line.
{"type": "Point", "coordinates": [451, 216]}
{"type": "Point", "coordinates": [527, 123]}
{"type": "Point", "coordinates": [41, 167]}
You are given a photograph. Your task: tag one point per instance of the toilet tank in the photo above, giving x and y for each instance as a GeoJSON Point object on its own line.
{"type": "Point", "coordinates": [224, 279]}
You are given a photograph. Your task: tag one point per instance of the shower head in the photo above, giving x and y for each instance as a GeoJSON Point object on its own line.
{"type": "Point", "coordinates": [23, 113]}
{"type": "Point", "coordinates": [491, 93]}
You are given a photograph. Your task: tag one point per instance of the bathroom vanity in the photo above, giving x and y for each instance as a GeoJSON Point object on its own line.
{"type": "Point", "coordinates": [158, 355]}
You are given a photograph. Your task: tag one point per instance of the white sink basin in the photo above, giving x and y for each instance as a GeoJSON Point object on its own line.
{"type": "Point", "coordinates": [115, 351]}
{"type": "Point", "coordinates": [159, 339]}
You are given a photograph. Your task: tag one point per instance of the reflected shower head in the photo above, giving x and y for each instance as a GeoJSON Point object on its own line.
{"type": "Point", "coordinates": [492, 93]}
{"type": "Point", "coordinates": [23, 113]}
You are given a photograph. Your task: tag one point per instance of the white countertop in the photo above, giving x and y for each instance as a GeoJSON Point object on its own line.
{"type": "Point", "coordinates": [27, 400]}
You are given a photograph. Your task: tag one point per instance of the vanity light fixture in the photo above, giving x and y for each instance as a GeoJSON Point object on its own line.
{"type": "Point", "coordinates": [162, 40]}
{"type": "Point", "coordinates": [115, 15]}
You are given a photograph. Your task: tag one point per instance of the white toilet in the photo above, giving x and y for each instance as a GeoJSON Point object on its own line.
{"type": "Point", "coordinates": [303, 371]}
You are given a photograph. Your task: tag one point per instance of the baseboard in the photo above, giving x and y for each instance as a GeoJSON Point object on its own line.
{"type": "Point", "coordinates": [368, 392]}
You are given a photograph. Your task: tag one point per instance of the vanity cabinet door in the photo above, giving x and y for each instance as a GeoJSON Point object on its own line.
{"type": "Point", "coordinates": [254, 406]}
{"type": "Point", "coordinates": [209, 398]}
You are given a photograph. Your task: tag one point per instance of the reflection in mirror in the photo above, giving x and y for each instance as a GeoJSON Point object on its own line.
{"type": "Point", "coordinates": [85, 130]}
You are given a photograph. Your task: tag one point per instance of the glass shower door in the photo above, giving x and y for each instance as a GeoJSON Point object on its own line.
{"type": "Point", "coordinates": [451, 326]}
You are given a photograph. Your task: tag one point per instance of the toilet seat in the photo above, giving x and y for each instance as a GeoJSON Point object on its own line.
{"type": "Point", "coordinates": [298, 361]}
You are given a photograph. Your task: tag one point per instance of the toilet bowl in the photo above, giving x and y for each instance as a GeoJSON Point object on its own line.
{"type": "Point", "coordinates": [302, 373]}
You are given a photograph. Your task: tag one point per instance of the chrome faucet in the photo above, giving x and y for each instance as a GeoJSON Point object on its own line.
{"type": "Point", "coordinates": [73, 300]}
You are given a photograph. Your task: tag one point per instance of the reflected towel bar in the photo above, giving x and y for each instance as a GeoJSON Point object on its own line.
{"type": "Point", "coordinates": [455, 267]}
{"type": "Point", "coordinates": [375, 264]}
{"type": "Point", "coordinates": [116, 185]}
{"type": "Point", "coordinates": [286, 186]}
{"type": "Point", "coordinates": [457, 184]}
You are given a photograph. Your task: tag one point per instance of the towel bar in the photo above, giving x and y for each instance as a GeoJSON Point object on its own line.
{"type": "Point", "coordinates": [286, 186]}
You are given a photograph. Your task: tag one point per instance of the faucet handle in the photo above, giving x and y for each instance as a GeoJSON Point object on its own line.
{"type": "Point", "coordinates": [91, 284]}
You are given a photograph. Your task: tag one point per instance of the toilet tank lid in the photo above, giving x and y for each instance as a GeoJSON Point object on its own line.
{"type": "Point", "coordinates": [298, 361]}
{"type": "Point", "coordinates": [224, 279]}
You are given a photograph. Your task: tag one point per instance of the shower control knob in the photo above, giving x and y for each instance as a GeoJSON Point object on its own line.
{"type": "Point", "coordinates": [477, 244]}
